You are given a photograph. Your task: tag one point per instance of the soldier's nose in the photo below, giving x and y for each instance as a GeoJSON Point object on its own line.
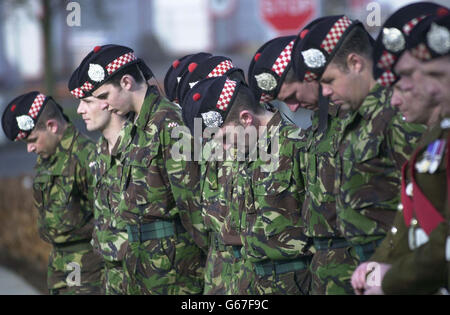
{"type": "Point", "coordinates": [326, 91]}
{"type": "Point", "coordinates": [31, 148]}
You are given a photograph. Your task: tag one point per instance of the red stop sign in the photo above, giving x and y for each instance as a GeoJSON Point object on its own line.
{"type": "Point", "coordinates": [288, 15]}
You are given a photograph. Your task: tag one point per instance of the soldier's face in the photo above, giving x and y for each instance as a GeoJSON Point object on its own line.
{"type": "Point", "coordinates": [299, 94]}
{"type": "Point", "coordinates": [437, 73]}
{"type": "Point", "coordinates": [42, 142]}
{"type": "Point", "coordinates": [115, 97]}
{"type": "Point", "coordinates": [345, 87]}
{"type": "Point", "coordinates": [418, 104]}
{"type": "Point", "coordinates": [94, 113]}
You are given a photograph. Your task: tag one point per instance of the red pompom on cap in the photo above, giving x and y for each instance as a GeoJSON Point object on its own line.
{"type": "Point", "coordinates": [192, 66]}
{"type": "Point", "coordinates": [175, 64]}
{"type": "Point", "coordinates": [257, 56]}
{"type": "Point", "coordinates": [196, 96]}
{"type": "Point", "coordinates": [303, 33]}
{"type": "Point", "coordinates": [442, 11]}
{"type": "Point", "coordinates": [13, 108]}
{"type": "Point", "coordinates": [97, 48]}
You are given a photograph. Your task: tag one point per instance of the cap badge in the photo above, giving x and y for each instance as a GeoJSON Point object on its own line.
{"type": "Point", "coordinates": [266, 81]}
{"type": "Point", "coordinates": [96, 72]}
{"type": "Point", "coordinates": [393, 39]}
{"type": "Point", "coordinates": [212, 119]}
{"type": "Point", "coordinates": [314, 58]}
{"type": "Point", "coordinates": [438, 38]}
{"type": "Point", "coordinates": [25, 122]}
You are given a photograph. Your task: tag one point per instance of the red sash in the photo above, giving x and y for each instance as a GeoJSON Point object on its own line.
{"type": "Point", "coordinates": [426, 214]}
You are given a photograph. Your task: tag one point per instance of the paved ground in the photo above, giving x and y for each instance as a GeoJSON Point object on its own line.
{"type": "Point", "coordinates": [12, 284]}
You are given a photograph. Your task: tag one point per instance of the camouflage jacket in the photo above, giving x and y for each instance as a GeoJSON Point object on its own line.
{"type": "Point", "coordinates": [319, 163]}
{"type": "Point", "coordinates": [215, 183]}
{"type": "Point", "coordinates": [217, 179]}
{"type": "Point", "coordinates": [63, 190]}
{"type": "Point", "coordinates": [155, 184]}
{"type": "Point", "coordinates": [273, 191]}
{"type": "Point", "coordinates": [375, 145]}
{"type": "Point", "coordinates": [110, 235]}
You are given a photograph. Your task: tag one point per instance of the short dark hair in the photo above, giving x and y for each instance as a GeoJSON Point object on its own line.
{"type": "Point", "coordinates": [50, 111]}
{"type": "Point", "coordinates": [357, 41]}
{"type": "Point", "coordinates": [132, 70]}
{"type": "Point", "coordinates": [245, 100]}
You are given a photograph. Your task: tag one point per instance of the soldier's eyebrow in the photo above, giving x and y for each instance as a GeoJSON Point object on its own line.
{"type": "Point", "coordinates": [103, 96]}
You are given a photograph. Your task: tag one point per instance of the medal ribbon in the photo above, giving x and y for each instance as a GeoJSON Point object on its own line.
{"type": "Point", "coordinates": [426, 213]}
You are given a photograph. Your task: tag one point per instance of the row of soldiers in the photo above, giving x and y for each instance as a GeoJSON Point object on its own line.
{"type": "Point", "coordinates": [357, 203]}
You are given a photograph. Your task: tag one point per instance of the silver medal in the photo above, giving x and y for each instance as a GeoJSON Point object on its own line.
{"type": "Point", "coordinates": [393, 39]}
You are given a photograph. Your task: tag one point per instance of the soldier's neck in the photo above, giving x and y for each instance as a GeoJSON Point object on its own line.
{"type": "Point", "coordinates": [138, 97]}
{"type": "Point", "coordinates": [434, 117]}
{"type": "Point", "coordinates": [111, 132]}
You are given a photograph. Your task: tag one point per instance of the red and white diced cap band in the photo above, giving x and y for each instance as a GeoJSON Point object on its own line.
{"type": "Point", "coordinates": [283, 59]}
{"type": "Point", "coordinates": [33, 113]}
{"type": "Point", "coordinates": [387, 78]}
{"type": "Point", "coordinates": [335, 34]}
{"type": "Point", "coordinates": [220, 69]}
{"type": "Point", "coordinates": [226, 95]}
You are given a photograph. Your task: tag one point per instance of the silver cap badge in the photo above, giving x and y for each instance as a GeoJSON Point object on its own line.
{"type": "Point", "coordinates": [212, 119]}
{"type": "Point", "coordinates": [96, 72]}
{"type": "Point", "coordinates": [438, 38]}
{"type": "Point", "coordinates": [393, 39]}
{"type": "Point", "coordinates": [25, 122]}
{"type": "Point", "coordinates": [266, 81]}
{"type": "Point", "coordinates": [314, 58]}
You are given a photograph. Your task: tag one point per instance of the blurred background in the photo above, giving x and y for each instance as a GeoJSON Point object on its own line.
{"type": "Point", "coordinates": [42, 41]}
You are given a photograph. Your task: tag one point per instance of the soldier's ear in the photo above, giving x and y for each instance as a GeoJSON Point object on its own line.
{"type": "Point", "coordinates": [355, 62]}
{"type": "Point", "coordinates": [52, 126]}
{"type": "Point", "coordinates": [127, 82]}
{"type": "Point", "coordinates": [246, 118]}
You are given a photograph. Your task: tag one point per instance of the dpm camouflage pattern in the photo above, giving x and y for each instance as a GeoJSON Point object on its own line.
{"type": "Point", "coordinates": [157, 187]}
{"type": "Point", "coordinates": [216, 175]}
{"type": "Point", "coordinates": [331, 268]}
{"type": "Point", "coordinates": [63, 196]}
{"type": "Point", "coordinates": [376, 143]}
{"type": "Point", "coordinates": [110, 236]}
{"type": "Point", "coordinates": [272, 228]}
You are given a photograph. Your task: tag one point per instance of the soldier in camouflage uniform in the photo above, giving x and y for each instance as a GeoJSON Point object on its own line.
{"type": "Point", "coordinates": [215, 185]}
{"type": "Point", "coordinates": [110, 237]}
{"type": "Point", "coordinates": [266, 194]}
{"type": "Point", "coordinates": [318, 153]}
{"type": "Point", "coordinates": [62, 190]}
{"type": "Point", "coordinates": [159, 200]}
{"type": "Point", "coordinates": [370, 139]}
{"type": "Point", "coordinates": [412, 259]}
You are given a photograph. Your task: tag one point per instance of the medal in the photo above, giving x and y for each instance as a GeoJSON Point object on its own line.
{"type": "Point", "coordinates": [437, 152]}
{"type": "Point", "coordinates": [411, 234]}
